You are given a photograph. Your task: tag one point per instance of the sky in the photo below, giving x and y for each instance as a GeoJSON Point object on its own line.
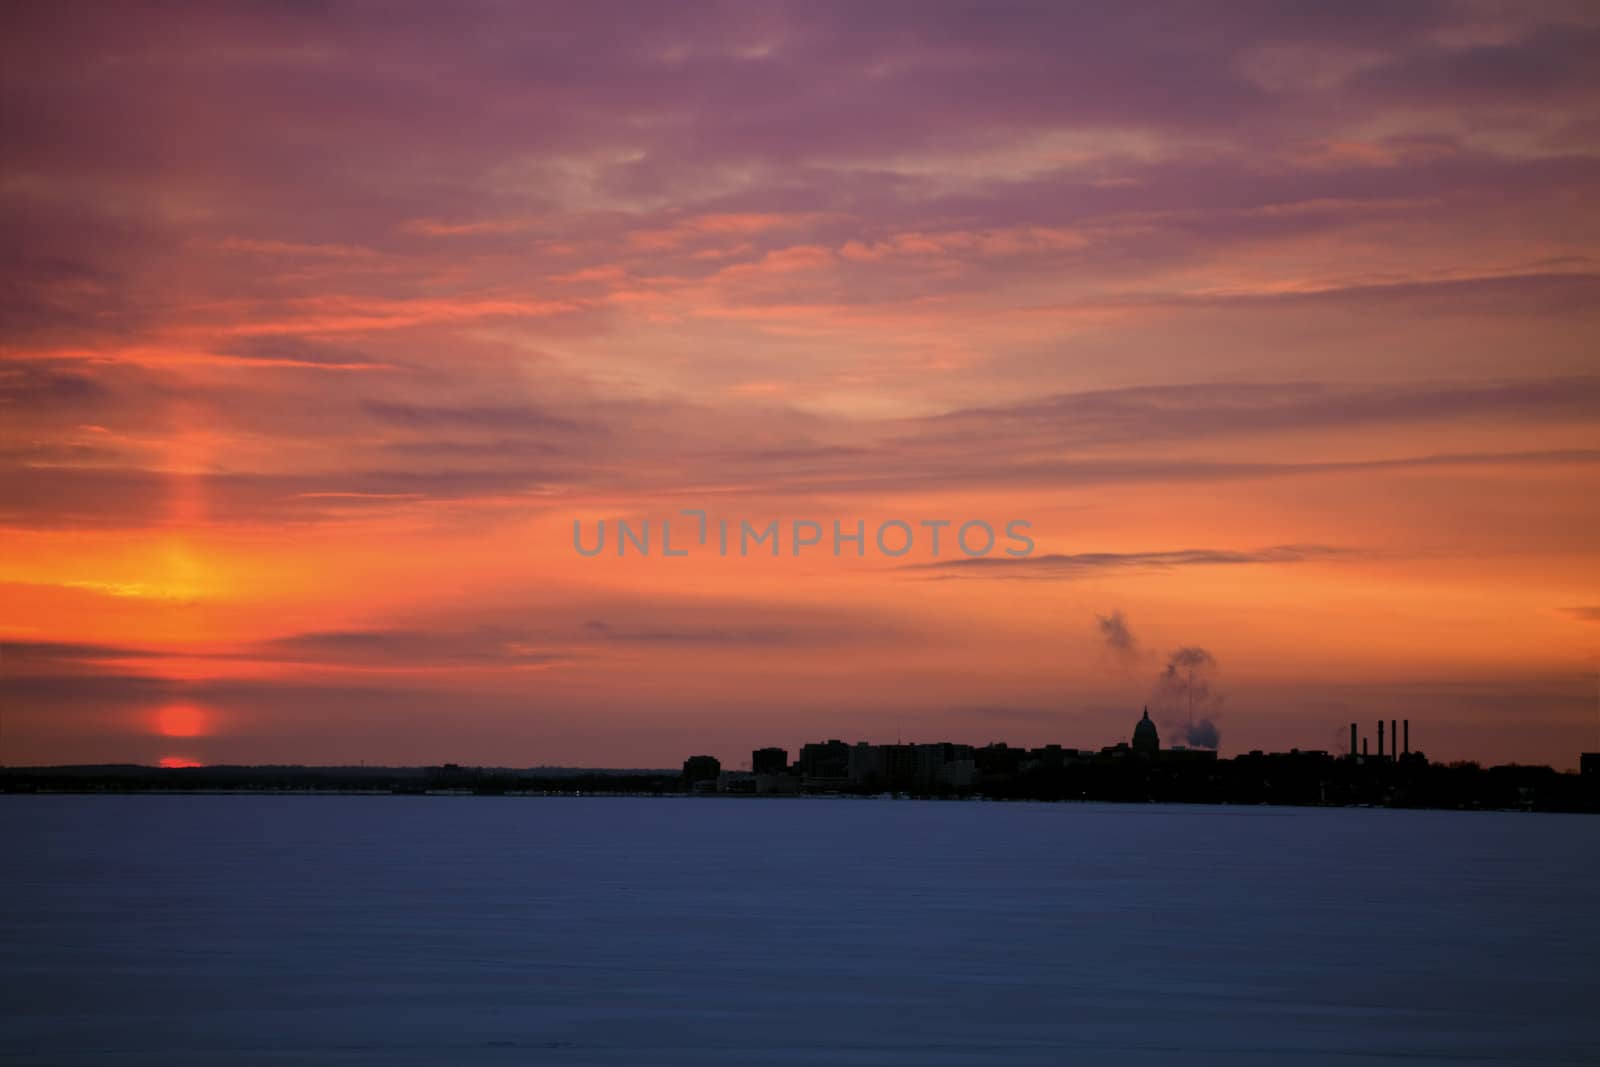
{"type": "Point", "coordinates": [323, 324]}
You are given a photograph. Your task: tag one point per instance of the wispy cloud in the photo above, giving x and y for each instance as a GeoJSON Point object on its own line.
{"type": "Point", "coordinates": [795, 633]}
{"type": "Point", "coordinates": [1059, 566]}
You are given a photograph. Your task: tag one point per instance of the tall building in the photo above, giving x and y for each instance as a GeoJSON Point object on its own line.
{"type": "Point", "coordinates": [769, 761]}
{"type": "Point", "coordinates": [944, 763]}
{"type": "Point", "coordinates": [825, 759]}
{"type": "Point", "coordinates": [898, 763]}
{"type": "Point", "coordinates": [866, 765]}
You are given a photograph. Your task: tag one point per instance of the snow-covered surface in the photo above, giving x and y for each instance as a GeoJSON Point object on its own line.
{"type": "Point", "coordinates": [374, 930]}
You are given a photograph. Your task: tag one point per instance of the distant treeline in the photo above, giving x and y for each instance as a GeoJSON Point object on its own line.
{"type": "Point", "coordinates": [136, 778]}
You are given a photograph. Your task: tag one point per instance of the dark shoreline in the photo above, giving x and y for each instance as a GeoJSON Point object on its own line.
{"type": "Point", "coordinates": [1241, 782]}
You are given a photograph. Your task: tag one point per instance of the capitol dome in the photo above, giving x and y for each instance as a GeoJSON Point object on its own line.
{"type": "Point", "coordinates": [1145, 738]}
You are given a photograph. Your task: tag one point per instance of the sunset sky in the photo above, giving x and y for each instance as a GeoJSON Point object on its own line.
{"type": "Point", "coordinates": [324, 322]}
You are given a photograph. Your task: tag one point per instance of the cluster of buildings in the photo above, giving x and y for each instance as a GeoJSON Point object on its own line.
{"type": "Point", "coordinates": [827, 766]}
{"type": "Point", "coordinates": [1378, 770]}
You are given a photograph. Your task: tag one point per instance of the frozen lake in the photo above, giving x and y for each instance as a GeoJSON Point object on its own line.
{"type": "Point", "coordinates": [373, 930]}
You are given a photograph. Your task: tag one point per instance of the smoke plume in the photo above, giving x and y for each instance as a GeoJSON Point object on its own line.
{"type": "Point", "coordinates": [1119, 639]}
{"type": "Point", "coordinates": [1187, 696]}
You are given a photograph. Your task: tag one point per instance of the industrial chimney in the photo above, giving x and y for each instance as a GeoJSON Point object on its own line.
{"type": "Point", "coordinates": [1380, 738]}
{"type": "Point", "coordinates": [1408, 736]}
{"type": "Point", "coordinates": [1352, 740]}
{"type": "Point", "coordinates": [1394, 740]}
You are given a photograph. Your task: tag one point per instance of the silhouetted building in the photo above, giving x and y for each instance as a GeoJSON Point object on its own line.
{"type": "Point", "coordinates": [1145, 738]}
{"type": "Point", "coordinates": [945, 764]}
{"type": "Point", "coordinates": [769, 761]}
{"type": "Point", "coordinates": [701, 769]}
{"type": "Point", "coordinates": [777, 784]}
{"type": "Point", "coordinates": [998, 758]}
{"type": "Point", "coordinates": [865, 764]}
{"type": "Point", "coordinates": [1050, 757]}
{"type": "Point", "coordinates": [899, 763]}
{"type": "Point", "coordinates": [826, 759]}
{"type": "Point", "coordinates": [1180, 754]}
{"type": "Point", "coordinates": [736, 782]}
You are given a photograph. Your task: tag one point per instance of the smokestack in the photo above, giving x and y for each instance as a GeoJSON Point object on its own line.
{"type": "Point", "coordinates": [1394, 740]}
{"type": "Point", "coordinates": [1380, 738]}
{"type": "Point", "coordinates": [1363, 748]}
{"type": "Point", "coordinates": [1352, 740]}
{"type": "Point", "coordinates": [1408, 735]}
